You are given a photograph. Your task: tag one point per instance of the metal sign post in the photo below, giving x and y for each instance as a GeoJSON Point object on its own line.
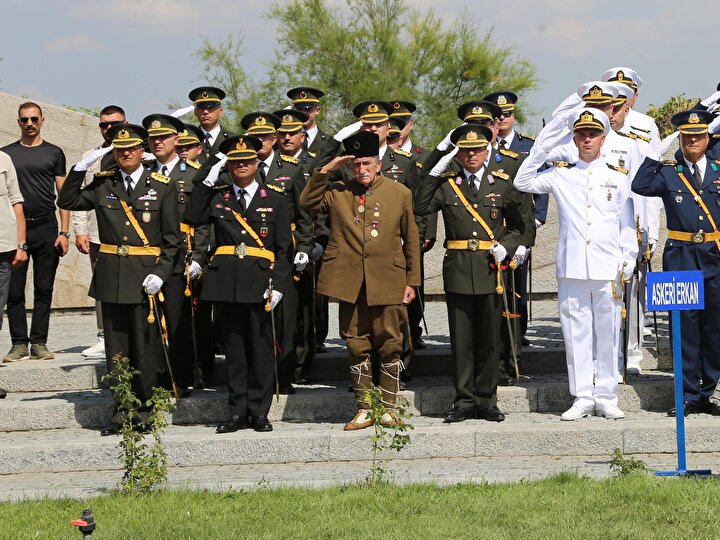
{"type": "Point", "coordinates": [674, 292]}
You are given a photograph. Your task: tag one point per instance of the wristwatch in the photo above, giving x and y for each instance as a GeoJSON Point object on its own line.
{"type": "Point", "coordinates": [23, 247]}
{"type": "Point", "coordinates": [65, 234]}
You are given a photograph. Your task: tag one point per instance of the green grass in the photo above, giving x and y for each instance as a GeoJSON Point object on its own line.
{"type": "Point", "coordinates": [564, 506]}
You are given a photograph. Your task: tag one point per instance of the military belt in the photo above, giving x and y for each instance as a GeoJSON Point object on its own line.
{"type": "Point", "coordinates": [699, 237]}
{"type": "Point", "coordinates": [469, 245]}
{"type": "Point", "coordinates": [243, 251]}
{"type": "Point", "coordinates": [129, 251]}
{"type": "Point", "coordinates": [187, 229]}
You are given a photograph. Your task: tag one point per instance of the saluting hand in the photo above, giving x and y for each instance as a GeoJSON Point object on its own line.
{"type": "Point", "coordinates": [336, 163]}
{"type": "Point", "coordinates": [409, 295]}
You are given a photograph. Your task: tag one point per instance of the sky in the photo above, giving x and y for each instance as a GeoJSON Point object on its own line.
{"type": "Point", "coordinates": [138, 53]}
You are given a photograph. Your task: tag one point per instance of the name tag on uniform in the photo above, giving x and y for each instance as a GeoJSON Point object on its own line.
{"type": "Point", "coordinates": [147, 197]}
{"type": "Point", "coordinates": [609, 185]}
{"type": "Point", "coordinates": [111, 197]}
{"type": "Point", "coordinates": [263, 209]}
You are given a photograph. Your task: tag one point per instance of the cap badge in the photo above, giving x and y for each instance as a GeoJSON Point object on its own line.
{"type": "Point", "coordinates": [471, 136]}
{"type": "Point", "coordinates": [155, 124]}
{"type": "Point", "coordinates": [587, 117]}
{"type": "Point", "coordinates": [620, 75]}
{"type": "Point", "coordinates": [693, 118]}
{"type": "Point", "coordinates": [501, 100]}
{"type": "Point", "coordinates": [373, 108]}
{"type": "Point", "coordinates": [396, 105]}
{"type": "Point", "coordinates": [303, 95]}
{"type": "Point", "coordinates": [287, 118]}
{"type": "Point", "coordinates": [183, 133]}
{"type": "Point", "coordinates": [356, 145]}
{"type": "Point", "coordinates": [204, 94]}
{"type": "Point", "coordinates": [123, 134]}
{"type": "Point", "coordinates": [241, 145]}
{"type": "Point", "coordinates": [477, 110]}
{"type": "Point", "coordinates": [595, 92]}
{"type": "Point", "coordinates": [260, 121]}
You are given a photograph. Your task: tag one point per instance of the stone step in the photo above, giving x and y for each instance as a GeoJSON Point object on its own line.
{"type": "Point", "coordinates": [71, 371]}
{"type": "Point", "coordinates": [317, 403]}
{"type": "Point", "coordinates": [522, 434]}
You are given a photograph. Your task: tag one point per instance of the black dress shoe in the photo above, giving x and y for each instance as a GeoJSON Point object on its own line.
{"type": "Point", "coordinates": [525, 342]}
{"type": "Point", "coordinates": [712, 408]}
{"type": "Point", "coordinates": [506, 380]}
{"type": "Point", "coordinates": [491, 414]}
{"type": "Point", "coordinates": [418, 344]}
{"type": "Point", "coordinates": [184, 392]}
{"type": "Point", "coordinates": [458, 415]}
{"type": "Point", "coordinates": [236, 423]}
{"type": "Point", "coordinates": [262, 424]}
{"type": "Point", "coordinates": [3, 393]}
{"type": "Point", "coordinates": [303, 379]}
{"type": "Point", "coordinates": [690, 408]}
{"type": "Point", "coordinates": [287, 390]}
{"type": "Point", "coordinates": [113, 428]}
{"type": "Point", "coordinates": [320, 348]}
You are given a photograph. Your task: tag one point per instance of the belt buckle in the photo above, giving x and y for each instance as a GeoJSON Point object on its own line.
{"type": "Point", "coordinates": [473, 244]}
{"type": "Point", "coordinates": [241, 251]}
{"type": "Point", "coordinates": [698, 237]}
{"type": "Point", "coordinates": [123, 251]}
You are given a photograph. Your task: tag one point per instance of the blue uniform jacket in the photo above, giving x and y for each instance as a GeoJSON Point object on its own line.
{"type": "Point", "coordinates": [523, 145]}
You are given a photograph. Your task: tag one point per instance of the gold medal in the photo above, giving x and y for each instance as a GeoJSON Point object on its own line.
{"type": "Point", "coordinates": [146, 217]}
{"type": "Point", "coordinates": [376, 214]}
{"type": "Point", "coordinates": [361, 209]}
{"type": "Point", "coordinates": [374, 233]}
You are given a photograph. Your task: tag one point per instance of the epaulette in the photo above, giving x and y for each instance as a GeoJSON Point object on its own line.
{"type": "Point", "coordinates": [670, 162]}
{"type": "Point", "coordinates": [716, 135]}
{"type": "Point", "coordinates": [618, 169]}
{"type": "Point", "coordinates": [562, 164]}
{"type": "Point", "coordinates": [220, 187]}
{"type": "Point", "coordinates": [275, 188]}
{"type": "Point", "coordinates": [311, 154]}
{"type": "Point", "coordinates": [418, 165]}
{"type": "Point", "coordinates": [147, 162]}
{"type": "Point", "coordinates": [448, 174]}
{"type": "Point", "coordinates": [628, 135]}
{"type": "Point", "coordinates": [500, 174]}
{"type": "Point", "coordinates": [104, 173]}
{"type": "Point", "coordinates": [289, 159]}
{"type": "Point", "coordinates": [640, 129]}
{"type": "Point", "coordinates": [526, 136]}
{"type": "Point", "coordinates": [193, 164]}
{"type": "Point", "coordinates": [403, 153]}
{"type": "Point", "coordinates": [160, 177]}
{"type": "Point", "coordinates": [642, 137]}
{"type": "Point", "coordinates": [508, 153]}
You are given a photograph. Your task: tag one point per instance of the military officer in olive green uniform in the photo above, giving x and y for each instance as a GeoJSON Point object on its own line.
{"type": "Point", "coordinates": [139, 231]}
{"type": "Point", "coordinates": [208, 111]}
{"type": "Point", "coordinates": [163, 135]}
{"type": "Point", "coordinates": [483, 218]}
{"type": "Point", "coordinates": [284, 175]}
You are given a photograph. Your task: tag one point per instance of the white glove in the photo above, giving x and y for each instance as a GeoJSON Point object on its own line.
{"type": "Point", "coordinates": [152, 283]}
{"type": "Point", "coordinates": [345, 132]}
{"type": "Point", "coordinates": [442, 165]}
{"type": "Point", "coordinates": [711, 100]}
{"type": "Point", "coordinates": [183, 111]}
{"type": "Point", "coordinates": [301, 261]}
{"type": "Point", "coordinates": [317, 253]}
{"type": "Point", "coordinates": [714, 126]}
{"type": "Point", "coordinates": [626, 267]}
{"type": "Point", "coordinates": [276, 297]}
{"type": "Point", "coordinates": [212, 177]}
{"type": "Point", "coordinates": [663, 146]}
{"type": "Point", "coordinates": [446, 143]}
{"type": "Point", "coordinates": [195, 270]}
{"type": "Point", "coordinates": [538, 223]}
{"type": "Point", "coordinates": [520, 256]}
{"type": "Point", "coordinates": [499, 252]}
{"type": "Point", "coordinates": [84, 164]}
{"type": "Point", "coordinates": [567, 107]}
{"type": "Point", "coordinates": [714, 108]}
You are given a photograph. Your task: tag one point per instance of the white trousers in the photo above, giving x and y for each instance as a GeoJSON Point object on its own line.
{"type": "Point", "coordinates": [588, 313]}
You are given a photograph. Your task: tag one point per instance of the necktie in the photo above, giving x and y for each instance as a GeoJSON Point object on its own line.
{"type": "Point", "coordinates": [502, 143]}
{"type": "Point", "coordinates": [208, 146]}
{"type": "Point", "coordinates": [473, 186]}
{"type": "Point", "coordinates": [164, 170]}
{"type": "Point", "coordinates": [262, 170]}
{"type": "Point", "coordinates": [241, 200]}
{"type": "Point", "coordinates": [696, 175]}
{"type": "Point", "coordinates": [128, 185]}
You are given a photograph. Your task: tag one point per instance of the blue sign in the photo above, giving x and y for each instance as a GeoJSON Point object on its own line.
{"type": "Point", "coordinates": [668, 291]}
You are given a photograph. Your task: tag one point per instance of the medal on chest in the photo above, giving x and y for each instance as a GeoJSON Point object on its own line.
{"type": "Point", "coordinates": [361, 205]}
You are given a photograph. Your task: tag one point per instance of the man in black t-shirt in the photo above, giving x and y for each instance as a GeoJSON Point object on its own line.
{"type": "Point", "coordinates": [41, 171]}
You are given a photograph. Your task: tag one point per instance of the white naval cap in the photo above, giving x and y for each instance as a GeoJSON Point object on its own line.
{"type": "Point", "coordinates": [623, 75]}
{"type": "Point", "coordinates": [589, 118]}
{"type": "Point", "coordinates": [624, 93]}
{"type": "Point", "coordinates": [597, 93]}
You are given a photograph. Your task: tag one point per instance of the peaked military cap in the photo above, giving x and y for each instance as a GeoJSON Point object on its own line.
{"type": "Point", "coordinates": [127, 135]}
{"type": "Point", "coordinates": [396, 125]}
{"type": "Point", "coordinates": [589, 118]}
{"type": "Point", "coordinates": [623, 75]}
{"type": "Point", "coordinates": [692, 122]}
{"type": "Point", "coordinates": [291, 120]}
{"type": "Point", "coordinates": [206, 95]}
{"type": "Point", "coordinates": [504, 99]}
{"type": "Point", "coordinates": [597, 93]}
{"type": "Point", "coordinates": [260, 123]}
{"type": "Point", "coordinates": [362, 144]}
{"type": "Point", "coordinates": [240, 147]}
{"type": "Point", "coordinates": [190, 135]}
{"type": "Point", "coordinates": [402, 109]}
{"type": "Point", "coordinates": [305, 97]}
{"type": "Point", "coordinates": [478, 111]}
{"type": "Point", "coordinates": [373, 112]}
{"type": "Point", "coordinates": [162, 124]}
{"type": "Point", "coordinates": [471, 136]}
{"type": "Point", "coordinates": [624, 93]}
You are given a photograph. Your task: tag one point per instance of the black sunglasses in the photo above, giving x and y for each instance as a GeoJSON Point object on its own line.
{"type": "Point", "coordinates": [105, 125]}
{"type": "Point", "coordinates": [33, 119]}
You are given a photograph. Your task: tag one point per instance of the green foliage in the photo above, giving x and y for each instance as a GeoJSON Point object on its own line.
{"type": "Point", "coordinates": [94, 111]}
{"type": "Point", "coordinates": [385, 440]}
{"type": "Point", "coordinates": [664, 112]}
{"type": "Point", "coordinates": [623, 466]}
{"type": "Point", "coordinates": [145, 466]}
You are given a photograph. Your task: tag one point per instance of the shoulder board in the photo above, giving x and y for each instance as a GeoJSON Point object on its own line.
{"type": "Point", "coordinates": [618, 169]}
{"type": "Point", "coordinates": [311, 154]}
{"type": "Point", "coordinates": [716, 135]}
{"type": "Point", "coordinates": [508, 153]}
{"type": "Point", "coordinates": [402, 153]}
{"type": "Point", "coordinates": [628, 135]}
{"type": "Point", "coordinates": [148, 161]}
{"type": "Point", "coordinates": [275, 188]}
{"type": "Point", "coordinates": [526, 136]}
{"type": "Point", "coordinates": [418, 165]}
{"type": "Point", "coordinates": [500, 174]}
{"type": "Point", "coordinates": [221, 187]}
{"type": "Point", "coordinates": [562, 164]}
{"type": "Point", "coordinates": [193, 164]}
{"type": "Point", "coordinates": [643, 138]}
{"type": "Point", "coordinates": [104, 173]}
{"type": "Point", "coordinates": [289, 159]}
{"type": "Point", "coordinates": [640, 129]}
{"type": "Point", "coordinates": [448, 174]}
{"type": "Point", "coordinates": [160, 177]}
{"type": "Point", "coordinates": [670, 162]}
{"type": "Point", "coordinates": [717, 161]}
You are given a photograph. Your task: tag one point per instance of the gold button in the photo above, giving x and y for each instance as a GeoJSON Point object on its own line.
{"type": "Point", "coordinates": [700, 218]}
{"type": "Point", "coordinates": [700, 192]}
{"type": "Point", "coordinates": [589, 241]}
{"type": "Point", "coordinates": [475, 205]}
{"type": "Point", "coordinates": [474, 219]}
{"type": "Point", "coordinates": [589, 205]}
{"type": "Point", "coordinates": [147, 204]}
{"type": "Point", "coordinates": [474, 233]}
{"type": "Point", "coordinates": [127, 223]}
{"type": "Point", "coordinates": [243, 232]}
{"type": "Point", "coordinates": [590, 189]}
{"type": "Point", "coordinates": [589, 222]}
{"type": "Point", "coordinates": [124, 238]}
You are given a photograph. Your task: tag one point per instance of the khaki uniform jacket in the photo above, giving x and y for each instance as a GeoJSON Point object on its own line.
{"type": "Point", "coordinates": [154, 204]}
{"type": "Point", "coordinates": [385, 262]}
